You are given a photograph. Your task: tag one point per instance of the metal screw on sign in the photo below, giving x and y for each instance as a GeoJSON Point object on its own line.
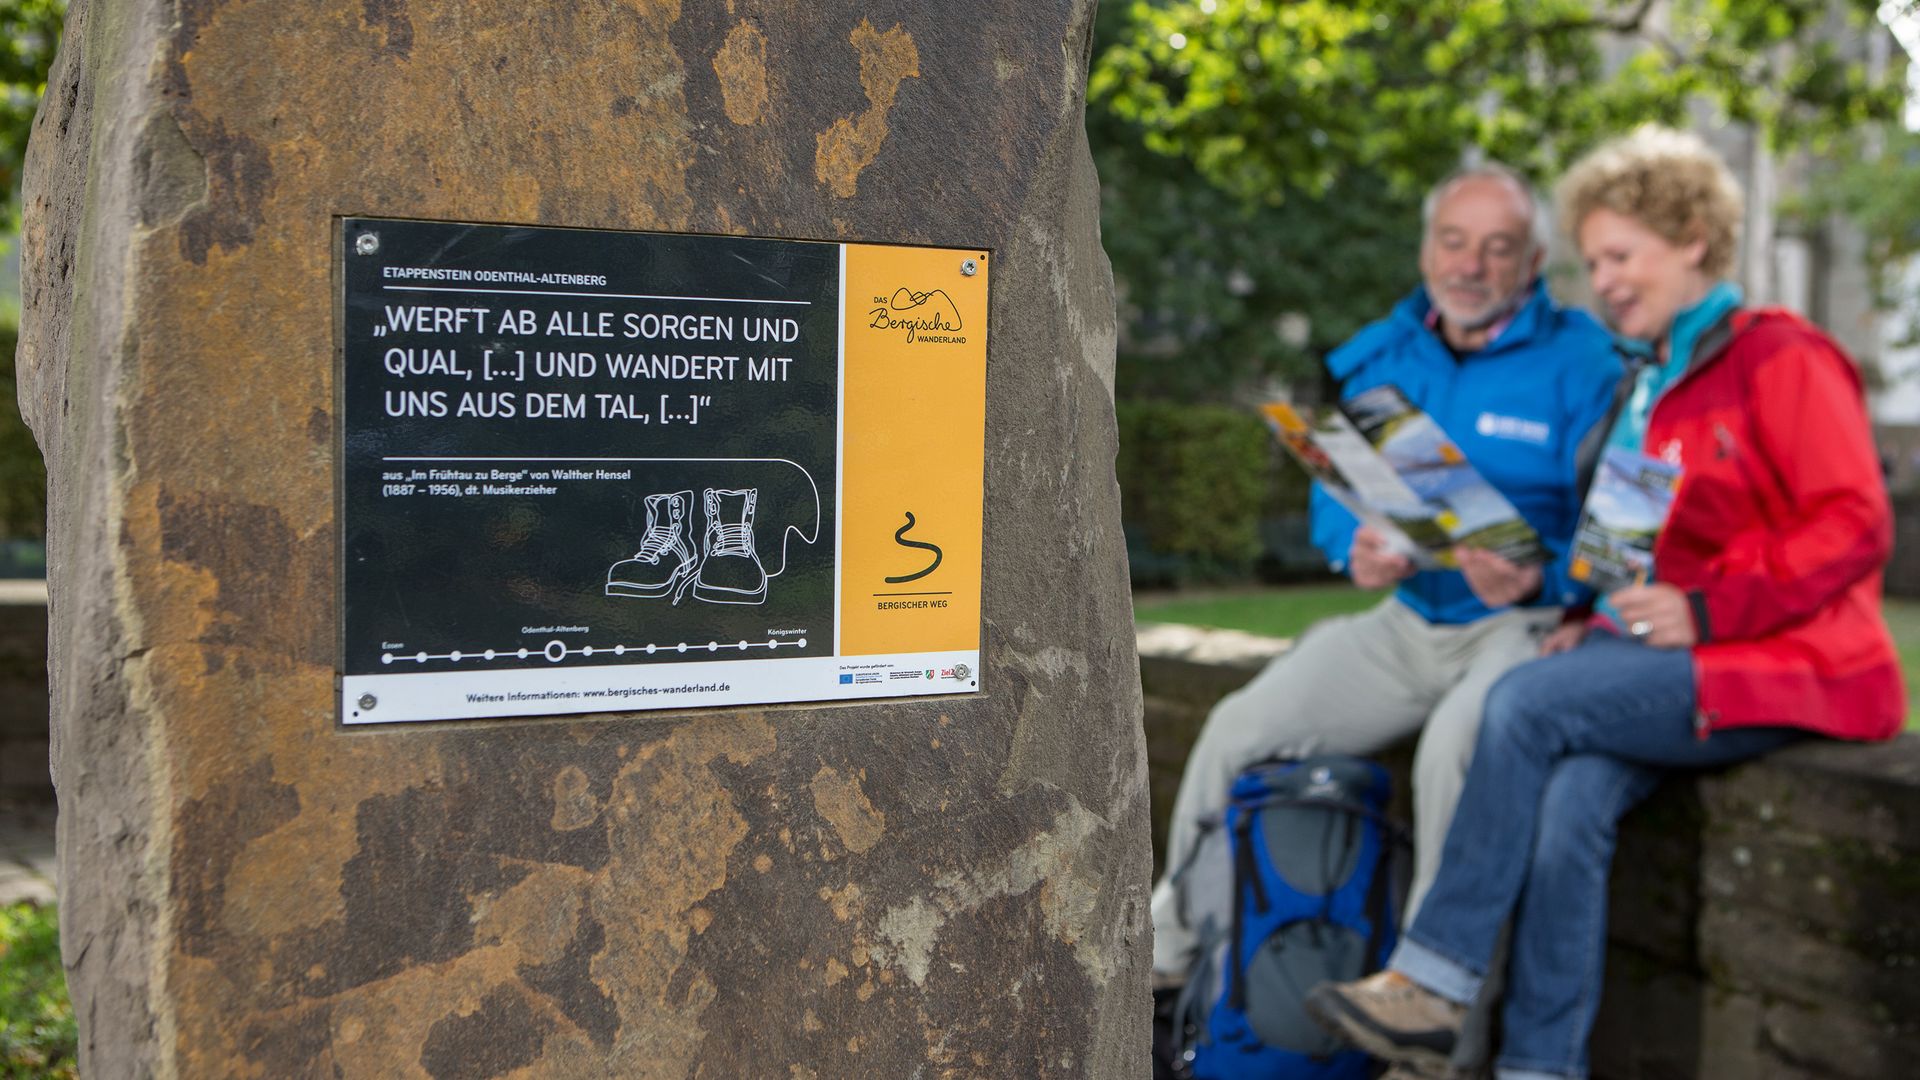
{"type": "Point", "coordinates": [969, 268]}
{"type": "Point", "coordinates": [368, 701]}
{"type": "Point", "coordinates": [366, 243]}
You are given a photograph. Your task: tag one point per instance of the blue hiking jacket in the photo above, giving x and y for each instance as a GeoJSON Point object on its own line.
{"type": "Point", "coordinates": [1519, 408]}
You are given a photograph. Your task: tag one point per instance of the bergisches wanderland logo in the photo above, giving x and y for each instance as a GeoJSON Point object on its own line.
{"type": "Point", "coordinates": [930, 317]}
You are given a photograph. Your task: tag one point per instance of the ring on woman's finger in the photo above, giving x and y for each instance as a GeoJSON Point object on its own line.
{"type": "Point", "coordinates": [1640, 629]}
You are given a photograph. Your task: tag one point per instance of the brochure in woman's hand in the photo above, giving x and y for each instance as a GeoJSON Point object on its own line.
{"type": "Point", "coordinates": [1394, 468]}
{"type": "Point", "coordinates": [1626, 506]}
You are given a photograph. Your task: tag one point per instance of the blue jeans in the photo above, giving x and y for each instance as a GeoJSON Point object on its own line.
{"type": "Point", "coordinates": [1569, 744]}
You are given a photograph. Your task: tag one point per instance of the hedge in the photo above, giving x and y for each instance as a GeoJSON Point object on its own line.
{"type": "Point", "coordinates": [1196, 483]}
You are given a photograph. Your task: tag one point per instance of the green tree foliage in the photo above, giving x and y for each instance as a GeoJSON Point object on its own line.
{"type": "Point", "coordinates": [1215, 288]}
{"type": "Point", "coordinates": [1879, 188]}
{"type": "Point", "coordinates": [1268, 95]}
{"type": "Point", "coordinates": [29, 33]}
{"type": "Point", "coordinates": [1262, 160]}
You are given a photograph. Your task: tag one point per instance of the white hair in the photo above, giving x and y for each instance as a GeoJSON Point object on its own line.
{"type": "Point", "coordinates": [1539, 218]}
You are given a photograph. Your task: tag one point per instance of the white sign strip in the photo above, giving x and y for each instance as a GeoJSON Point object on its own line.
{"type": "Point", "coordinates": [386, 699]}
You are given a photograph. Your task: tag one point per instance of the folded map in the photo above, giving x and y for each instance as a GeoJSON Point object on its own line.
{"type": "Point", "coordinates": [1394, 468]}
{"type": "Point", "coordinates": [1626, 506]}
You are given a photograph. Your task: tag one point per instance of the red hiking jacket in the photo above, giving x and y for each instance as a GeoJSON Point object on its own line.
{"type": "Point", "coordinates": [1779, 532]}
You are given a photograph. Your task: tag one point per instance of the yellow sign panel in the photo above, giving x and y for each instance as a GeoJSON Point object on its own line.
{"type": "Point", "coordinates": [913, 423]}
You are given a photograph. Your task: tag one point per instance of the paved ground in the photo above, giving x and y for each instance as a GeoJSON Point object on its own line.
{"type": "Point", "coordinates": [26, 854]}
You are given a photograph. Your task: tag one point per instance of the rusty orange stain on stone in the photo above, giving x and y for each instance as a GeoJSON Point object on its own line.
{"type": "Point", "coordinates": [844, 804]}
{"type": "Point", "coordinates": [741, 65]}
{"type": "Point", "coordinates": [849, 146]}
{"type": "Point", "coordinates": [666, 859]}
{"type": "Point", "coordinates": [724, 217]}
{"type": "Point", "coordinates": [844, 901]}
{"type": "Point", "coordinates": [269, 893]}
{"type": "Point", "coordinates": [538, 917]}
{"type": "Point", "coordinates": [574, 806]}
{"type": "Point", "coordinates": [390, 1020]}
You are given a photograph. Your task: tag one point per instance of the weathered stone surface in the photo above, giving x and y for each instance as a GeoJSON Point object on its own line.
{"type": "Point", "coordinates": [1658, 1023]}
{"type": "Point", "coordinates": [932, 888]}
{"type": "Point", "coordinates": [1183, 671]}
{"type": "Point", "coordinates": [1654, 892]}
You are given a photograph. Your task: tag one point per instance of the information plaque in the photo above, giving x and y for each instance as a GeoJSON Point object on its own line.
{"type": "Point", "coordinates": [587, 471]}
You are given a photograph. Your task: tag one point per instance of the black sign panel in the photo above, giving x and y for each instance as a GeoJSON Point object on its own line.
{"type": "Point", "coordinates": [568, 448]}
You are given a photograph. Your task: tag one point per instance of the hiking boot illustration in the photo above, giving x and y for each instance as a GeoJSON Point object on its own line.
{"type": "Point", "coordinates": [666, 561]}
{"type": "Point", "coordinates": [730, 571]}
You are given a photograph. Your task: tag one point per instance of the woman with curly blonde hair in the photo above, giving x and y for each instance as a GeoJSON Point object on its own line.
{"type": "Point", "coordinates": [1759, 625]}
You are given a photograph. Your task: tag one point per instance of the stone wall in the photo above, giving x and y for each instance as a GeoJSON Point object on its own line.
{"type": "Point", "coordinates": [24, 776]}
{"type": "Point", "coordinates": [1763, 918]}
{"type": "Point", "coordinates": [936, 886]}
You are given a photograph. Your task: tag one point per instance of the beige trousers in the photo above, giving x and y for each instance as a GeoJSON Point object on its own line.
{"type": "Point", "coordinates": [1353, 685]}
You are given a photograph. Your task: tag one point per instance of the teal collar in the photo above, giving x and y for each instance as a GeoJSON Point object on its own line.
{"type": "Point", "coordinates": [1691, 322]}
{"type": "Point", "coordinates": [1630, 427]}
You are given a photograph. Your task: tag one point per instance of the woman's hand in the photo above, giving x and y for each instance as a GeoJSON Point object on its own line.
{"type": "Point", "coordinates": [1494, 579]}
{"type": "Point", "coordinates": [1372, 564]}
{"type": "Point", "coordinates": [1657, 614]}
{"type": "Point", "coordinates": [1565, 638]}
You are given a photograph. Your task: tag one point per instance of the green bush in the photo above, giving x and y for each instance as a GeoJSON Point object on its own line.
{"type": "Point", "coordinates": [37, 1033]}
{"type": "Point", "coordinates": [1195, 482]}
{"type": "Point", "coordinates": [23, 478]}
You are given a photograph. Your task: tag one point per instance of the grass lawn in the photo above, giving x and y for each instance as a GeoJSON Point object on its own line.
{"type": "Point", "coordinates": [1273, 612]}
{"type": "Point", "coordinates": [1286, 612]}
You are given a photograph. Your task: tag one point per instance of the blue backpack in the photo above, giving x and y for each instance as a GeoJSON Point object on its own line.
{"type": "Point", "coordinates": [1297, 883]}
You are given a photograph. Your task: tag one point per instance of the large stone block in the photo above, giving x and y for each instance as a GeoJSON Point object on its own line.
{"type": "Point", "coordinates": [935, 887]}
{"type": "Point", "coordinates": [1654, 892]}
{"type": "Point", "coordinates": [1659, 1022]}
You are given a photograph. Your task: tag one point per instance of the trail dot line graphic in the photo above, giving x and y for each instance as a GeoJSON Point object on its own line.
{"type": "Point", "coordinates": [557, 650]}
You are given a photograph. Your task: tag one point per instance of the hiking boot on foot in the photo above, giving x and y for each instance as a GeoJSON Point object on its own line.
{"type": "Point", "coordinates": [1391, 1017]}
